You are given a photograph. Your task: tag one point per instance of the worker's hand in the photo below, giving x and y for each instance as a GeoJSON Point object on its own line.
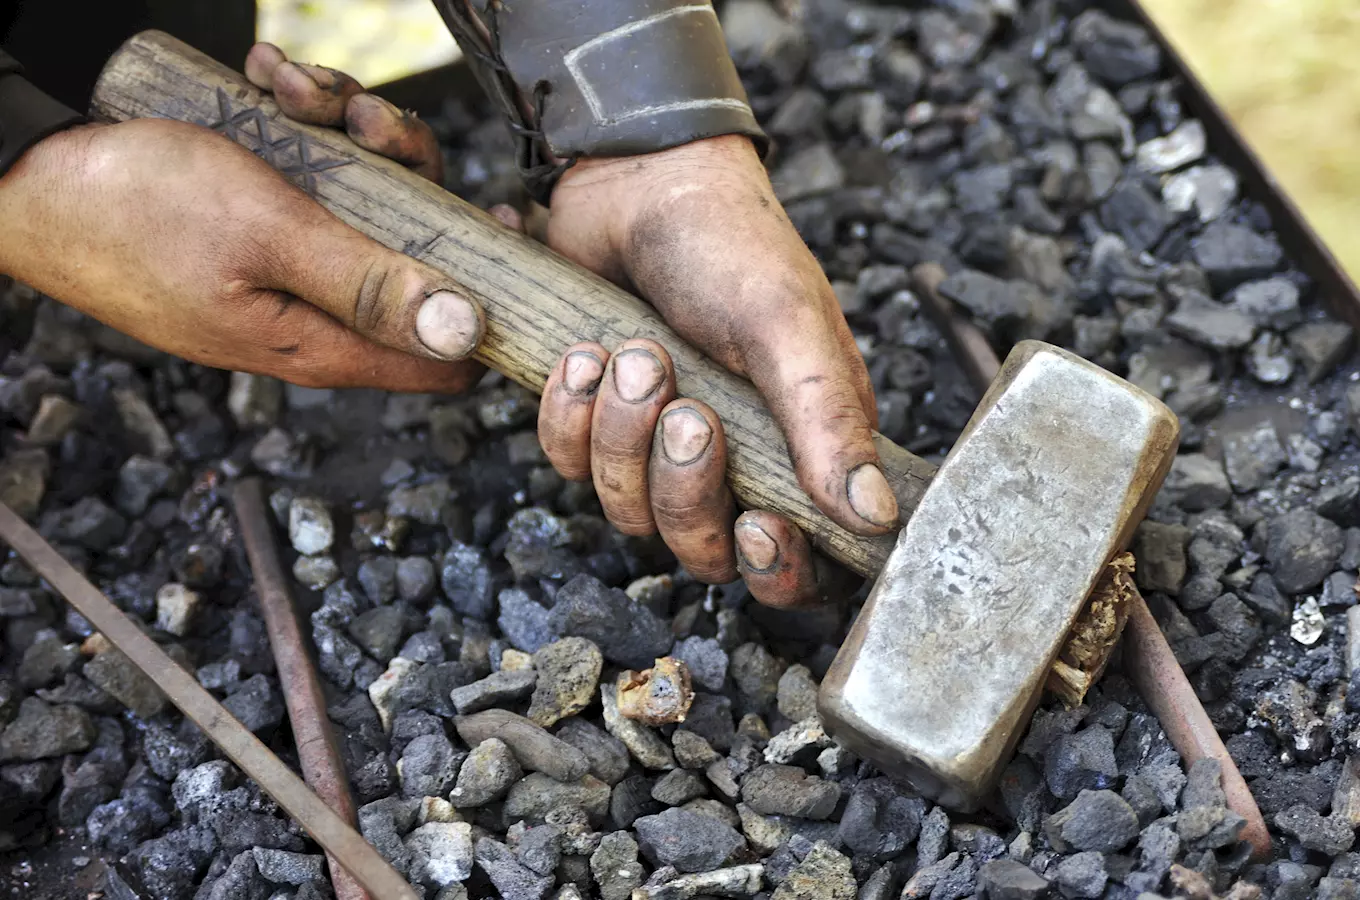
{"type": "Point", "coordinates": [188, 242]}
{"type": "Point", "coordinates": [698, 232]}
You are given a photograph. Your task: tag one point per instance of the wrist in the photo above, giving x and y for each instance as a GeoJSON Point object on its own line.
{"type": "Point", "coordinates": [31, 193]}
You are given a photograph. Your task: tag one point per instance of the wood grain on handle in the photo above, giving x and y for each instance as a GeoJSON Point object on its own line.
{"type": "Point", "coordinates": [537, 303]}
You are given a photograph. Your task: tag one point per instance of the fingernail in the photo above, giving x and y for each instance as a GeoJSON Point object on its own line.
{"type": "Point", "coordinates": [386, 105]}
{"type": "Point", "coordinates": [685, 435]}
{"type": "Point", "coordinates": [871, 497]}
{"type": "Point", "coordinates": [637, 374]}
{"type": "Point", "coordinates": [448, 325]}
{"type": "Point", "coordinates": [583, 373]}
{"type": "Point", "coordinates": [323, 78]}
{"type": "Point", "coordinates": [758, 550]}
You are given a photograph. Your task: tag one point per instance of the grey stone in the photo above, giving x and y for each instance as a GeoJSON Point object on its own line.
{"type": "Point", "coordinates": [380, 631]}
{"type": "Point", "coordinates": [1006, 879]}
{"type": "Point", "coordinates": [677, 787]}
{"type": "Point", "coordinates": [47, 661]}
{"type": "Point", "coordinates": [115, 674]}
{"type": "Point", "coordinates": [607, 755]}
{"type": "Point", "coordinates": [615, 866]}
{"type": "Point", "coordinates": [486, 774]}
{"type": "Point", "coordinates": [534, 748]}
{"type": "Point", "coordinates": [692, 751]}
{"type": "Point", "coordinates": [706, 659]}
{"type": "Point", "coordinates": [796, 695]}
{"type": "Point", "coordinates": [1326, 834]}
{"type": "Point", "coordinates": [283, 867]}
{"type": "Point", "coordinates": [536, 795]}
{"type": "Point", "coordinates": [1272, 302]}
{"type": "Point", "coordinates": [568, 675]}
{"type": "Point", "coordinates": [1320, 347]}
{"type": "Point", "coordinates": [465, 575]}
{"type": "Point", "coordinates": [997, 305]}
{"type": "Point", "coordinates": [1231, 254]}
{"type": "Point", "coordinates": [879, 820]}
{"type": "Point", "coordinates": [1268, 361]}
{"type": "Point", "coordinates": [1252, 455]}
{"type": "Point", "coordinates": [316, 572]}
{"type": "Point", "coordinates": [688, 841]}
{"type": "Point", "coordinates": [823, 874]}
{"type": "Point", "coordinates": [497, 689]}
{"type": "Point", "coordinates": [1302, 549]}
{"type": "Point", "coordinates": [808, 172]}
{"type": "Point", "coordinates": [627, 633]}
{"type": "Point", "coordinates": [169, 865]}
{"type": "Point", "coordinates": [256, 704]}
{"type": "Point", "coordinates": [1184, 145]}
{"type": "Point", "coordinates": [789, 791]}
{"type": "Point", "coordinates": [1114, 50]}
{"type": "Point", "coordinates": [310, 527]}
{"type": "Point", "coordinates": [526, 624]}
{"type": "Point", "coordinates": [415, 579]}
{"type": "Point", "coordinates": [1135, 215]}
{"type": "Point", "coordinates": [1217, 326]}
{"type": "Point", "coordinates": [1082, 875]}
{"type": "Point", "coordinates": [89, 522]}
{"type": "Point", "coordinates": [424, 503]}
{"type": "Point", "coordinates": [513, 880]}
{"type": "Point", "coordinates": [1096, 820]}
{"type": "Point", "coordinates": [140, 480]}
{"type": "Point", "coordinates": [756, 674]}
{"type": "Point", "coordinates": [378, 578]}
{"type": "Point", "coordinates": [430, 766]}
{"type": "Point", "coordinates": [642, 742]}
{"type": "Point", "coordinates": [1160, 550]}
{"type": "Point", "coordinates": [440, 853]}
{"type": "Point", "coordinates": [1197, 482]}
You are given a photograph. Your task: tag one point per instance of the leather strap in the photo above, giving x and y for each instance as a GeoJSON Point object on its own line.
{"type": "Point", "coordinates": [602, 77]}
{"type": "Point", "coordinates": [27, 115]}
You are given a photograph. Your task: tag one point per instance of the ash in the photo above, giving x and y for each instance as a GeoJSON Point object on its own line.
{"type": "Point", "coordinates": [1040, 153]}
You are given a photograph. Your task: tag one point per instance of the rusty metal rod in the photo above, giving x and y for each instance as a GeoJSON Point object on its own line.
{"type": "Point", "coordinates": [317, 752]}
{"type": "Point", "coordinates": [1149, 660]}
{"type": "Point", "coordinates": [253, 758]}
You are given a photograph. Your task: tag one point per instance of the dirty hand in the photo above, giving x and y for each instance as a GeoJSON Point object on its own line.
{"type": "Point", "coordinates": [186, 241]}
{"type": "Point", "coordinates": [697, 231]}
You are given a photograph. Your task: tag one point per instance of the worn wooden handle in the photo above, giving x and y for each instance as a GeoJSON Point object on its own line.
{"type": "Point", "coordinates": [537, 303]}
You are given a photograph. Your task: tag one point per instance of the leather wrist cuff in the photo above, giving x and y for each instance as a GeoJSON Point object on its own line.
{"type": "Point", "coordinates": [27, 115]}
{"type": "Point", "coordinates": [602, 78]}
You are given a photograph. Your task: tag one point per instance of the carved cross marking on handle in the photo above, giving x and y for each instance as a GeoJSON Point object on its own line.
{"type": "Point", "coordinates": [291, 153]}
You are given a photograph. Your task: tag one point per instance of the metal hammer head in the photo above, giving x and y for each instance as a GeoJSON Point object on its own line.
{"type": "Point", "coordinates": [939, 674]}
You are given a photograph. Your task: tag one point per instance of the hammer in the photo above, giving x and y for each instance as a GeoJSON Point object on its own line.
{"type": "Point", "coordinates": [1000, 549]}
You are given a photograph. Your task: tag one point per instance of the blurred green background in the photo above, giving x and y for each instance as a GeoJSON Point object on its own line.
{"type": "Point", "coordinates": [373, 40]}
{"type": "Point", "coordinates": [1287, 72]}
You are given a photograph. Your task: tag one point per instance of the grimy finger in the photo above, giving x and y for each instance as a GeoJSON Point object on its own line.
{"type": "Point", "coordinates": [508, 216]}
{"type": "Point", "coordinates": [639, 380]}
{"type": "Point", "coordinates": [299, 343]}
{"type": "Point", "coordinates": [261, 62]}
{"type": "Point", "coordinates": [859, 372]}
{"type": "Point", "coordinates": [383, 295]}
{"type": "Point", "coordinates": [313, 94]}
{"type": "Point", "coordinates": [565, 410]}
{"type": "Point", "coordinates": [813, 391]}
{"type": "Point", "coordinates": [763, 308]}
{"type": "Point", "coordinates": [774, 558]}
{"type": "Point", "coordinates": [690, 500]}
{"type": "Point", "coordinates": [377, 125]}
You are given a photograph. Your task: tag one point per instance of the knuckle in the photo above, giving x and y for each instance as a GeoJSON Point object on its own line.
{"type": "Point", "coordinates": [369, 310]}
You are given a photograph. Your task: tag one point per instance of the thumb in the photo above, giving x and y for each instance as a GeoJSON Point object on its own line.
{"type": "Point", "coordinates": [386, 296]}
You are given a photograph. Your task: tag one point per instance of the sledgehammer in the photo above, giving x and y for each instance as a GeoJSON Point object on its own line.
{"type": "Point", "coordinates": [975, 596]}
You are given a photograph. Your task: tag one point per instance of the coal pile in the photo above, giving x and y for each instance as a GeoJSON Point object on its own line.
{"type": "Point", "coordinates": [467, 604]}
